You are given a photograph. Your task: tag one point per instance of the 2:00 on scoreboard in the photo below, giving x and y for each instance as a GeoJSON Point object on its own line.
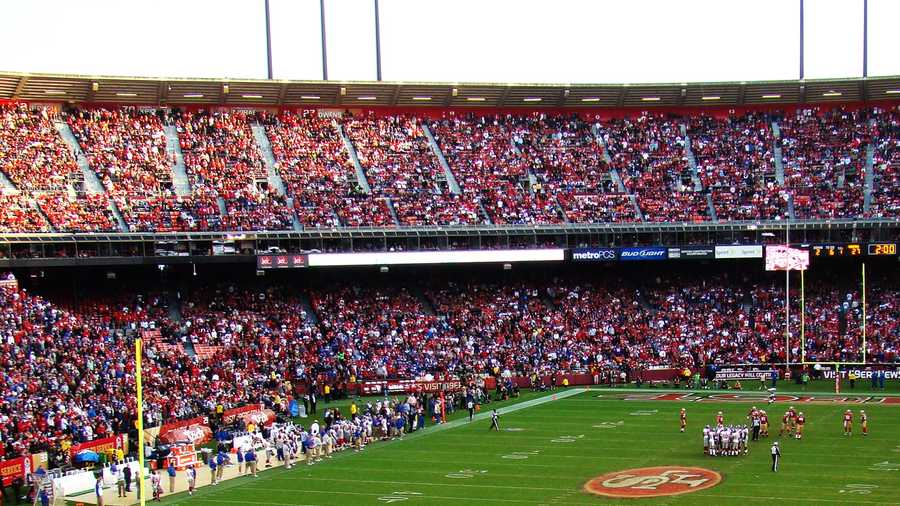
{"type": "Point", "coordinates": [885, 248]}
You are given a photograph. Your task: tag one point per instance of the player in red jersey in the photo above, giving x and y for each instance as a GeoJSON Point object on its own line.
{"type": "Point", "coordinates": [800, 421]}
{"type": "Point", "coordinates": [864, 422]}
{"type": "Point", "coordinates": [763, 424]}
{"type": "Point", "coordinates": [753, 413]}
{"type": "Point", "coordinates": [793, 420]}
{"type": "Point", "coordinates": [785, 424]}
{"type": "Point", "coordinates": [720, 419]}
{"type": "Point", "coordinates": [683, 419]}
{"type": "Point", "coordinates": [848, 422]}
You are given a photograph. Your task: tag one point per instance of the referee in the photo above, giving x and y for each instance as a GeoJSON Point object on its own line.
{"type": "Point", "coordinates": [776, 456]}
{"type": "Point", "coordinates": [495, 420]}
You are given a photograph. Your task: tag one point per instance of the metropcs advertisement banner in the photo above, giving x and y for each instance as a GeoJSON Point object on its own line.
{"type": "Point", "coordinates": [644, 253]}
{"type": "Point", "coordinates": [594, 254]}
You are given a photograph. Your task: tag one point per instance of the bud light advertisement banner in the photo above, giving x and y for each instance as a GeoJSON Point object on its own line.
{"type": "Point", "coordinates": [645, 253]}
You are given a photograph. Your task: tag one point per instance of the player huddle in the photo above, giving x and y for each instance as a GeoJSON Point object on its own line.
{"type": "Point", "coordinates": [726, 440]}
{"type": "Point", "coordinates": [732, 440]}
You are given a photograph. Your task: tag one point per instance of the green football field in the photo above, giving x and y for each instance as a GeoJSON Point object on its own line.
{"type": "Point", "coordinates": [553, 443]}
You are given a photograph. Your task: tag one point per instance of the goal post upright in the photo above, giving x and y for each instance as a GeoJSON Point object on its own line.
{"type": "Point", "coordinates": [139, 391]}
{"type": "Point", "coordinates": [864, 312]}
{"type": "Point", "coordinates": [837, 365]}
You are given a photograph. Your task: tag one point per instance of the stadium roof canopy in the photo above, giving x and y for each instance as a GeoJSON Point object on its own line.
{"type": "Point", "coordinates": [344, 94]}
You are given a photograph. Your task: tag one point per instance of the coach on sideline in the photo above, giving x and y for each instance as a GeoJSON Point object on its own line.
{"type": "Point", "coordinates": [776, 456]}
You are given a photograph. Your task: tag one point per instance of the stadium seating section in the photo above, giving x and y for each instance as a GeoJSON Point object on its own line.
{"type": "Point", "coordinates": [445, 169]}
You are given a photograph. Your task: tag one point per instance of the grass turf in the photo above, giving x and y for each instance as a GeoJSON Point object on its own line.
{"type": "Point", "coordinates": [466, 464]}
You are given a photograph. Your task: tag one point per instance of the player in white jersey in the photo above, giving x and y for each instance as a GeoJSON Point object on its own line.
{"type": "Point", "coordinates": [735, 440]}
{"type": "Point", "coordinates": [706, 440]}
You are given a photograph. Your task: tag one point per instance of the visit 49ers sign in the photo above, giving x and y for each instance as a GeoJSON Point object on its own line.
{"type": "Point", "coordinates": [653, 482]}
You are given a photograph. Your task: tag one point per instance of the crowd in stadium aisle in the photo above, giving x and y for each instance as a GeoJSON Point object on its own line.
{"type": "Point", "coordinates": [886, 160]}
{"type": "Point", "coordinates": [824, 160]}
{"type": "Point", "coordinates": [257, 344]}
{"type": "Point", "coordinates": [523, 168]}
{"type": "Point", "coordinates": [736, 163]}
{"type": "Point", "coordinates": [648, 152]}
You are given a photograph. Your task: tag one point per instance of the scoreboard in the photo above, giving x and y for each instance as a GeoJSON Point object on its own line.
{"type": "Point", "coordinates": [847, 250]}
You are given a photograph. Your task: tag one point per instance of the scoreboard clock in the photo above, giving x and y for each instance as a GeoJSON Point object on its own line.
{"type": "Point", "coordinates": [883, 249]}
{"type": "Point", "coordinates": [836, 250]}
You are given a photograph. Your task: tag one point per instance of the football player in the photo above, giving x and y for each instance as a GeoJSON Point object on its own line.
{"type": "Point", "coordinates": [800, 421]}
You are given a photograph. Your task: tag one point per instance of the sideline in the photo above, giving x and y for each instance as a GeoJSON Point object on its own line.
{"type": "Point", "coordinates": [852, 393]}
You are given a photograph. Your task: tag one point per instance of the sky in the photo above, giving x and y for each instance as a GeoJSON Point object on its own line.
{"type": "Point", "coordinates": [511, 41]}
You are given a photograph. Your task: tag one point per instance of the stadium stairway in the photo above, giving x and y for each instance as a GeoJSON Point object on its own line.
{"type": "Point", "coordinates": [637, 209]}
{"type": "Point", "coordinates": [351, 150]}
{"type": "Point", "coordinates": [790, 207]}
{"type": "Point", "coordinates": [5, 183]}
{"type": "Point", "coordinates": [484, 212]}
{"type": "Point", "coordinates": [223, 210]}
{"type": "Point", "coordinates": [265, 149]}
{"type": "Point", "coordinates": [179, 173]}
{"type": "Point", "coordinates": [712, 208]}
{"type": "Point", "coordinates": [613, 173]}
{"type": "Point", "coordinates": [307, 306]}
{"type": "Point", "coordinates": [427, 306]}
{"type": "Point", "coordinates": [692, 162]}
{"type": "Point", "coordinates": [779, 160]}
{"type": "Point", "coordinates": [123, 225]}
{"type": "Point", "coordinates": [451, 178]}
{"type": "Point", "coordinates": [393, 211]}
{"type": "Point", "coordinates": [34, 205]}
{"type": "Point", "coordinates": [92, 183]}
{"type": "Point", "coordinates": [870, 177]}
{"type": "Point", "coordinates": [560, 210]}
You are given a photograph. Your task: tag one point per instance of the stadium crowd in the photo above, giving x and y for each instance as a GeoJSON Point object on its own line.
{"type": "Point", "coordinates": [232, 344]}
{"type": "Point", "coordinates": [525, 168]}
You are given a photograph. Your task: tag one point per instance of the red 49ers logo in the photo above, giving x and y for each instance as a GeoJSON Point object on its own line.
{"type": "Point", "coordinates": [653, 481]}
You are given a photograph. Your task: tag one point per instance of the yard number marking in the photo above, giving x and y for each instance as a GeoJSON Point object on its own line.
{"type": "Point", "coordinates": [567, 439]}
{"type": "Point", "coordinates": [398, 496]}
{"type": "Point", "coordinates": [466, 473]}
{"type": "Point", "coordinates": [885, 466]}
{"type": "Point", "coordinates": [609, 425]}
{"type": "Point", "coordinates": [521, 455]}
{"type": "Point", "coordinates": [644, 412]}
{"type": "Point", "coordinates": [858, 488]}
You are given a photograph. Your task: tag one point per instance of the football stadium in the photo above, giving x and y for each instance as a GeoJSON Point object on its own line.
{"type": "Point", "coordinates": [363, 252]}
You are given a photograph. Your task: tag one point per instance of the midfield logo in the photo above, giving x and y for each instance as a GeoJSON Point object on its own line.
{"type": "Point", "coordinates": [653, 482]}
